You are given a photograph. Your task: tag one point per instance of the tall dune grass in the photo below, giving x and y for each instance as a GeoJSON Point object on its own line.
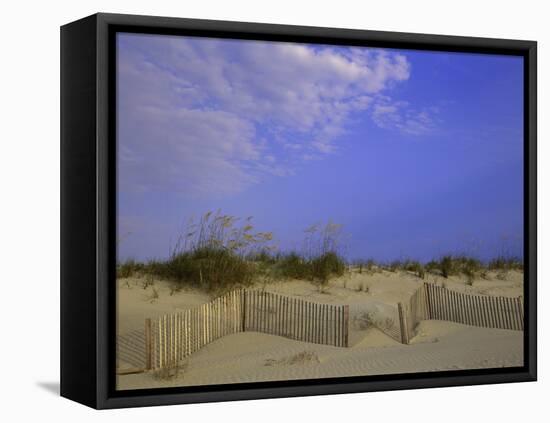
{"type": "Point", "coordinates": [220, 252]}
{"type": "Point", "coordinates": [506, 263]}
{"type": "Point", "coordinates": [317, 269]}
{"type": "Point", "coordinates": [211, 254]}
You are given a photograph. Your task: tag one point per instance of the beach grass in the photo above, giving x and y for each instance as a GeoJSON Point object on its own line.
{"type": "Point", "coordinates": [221, 252]}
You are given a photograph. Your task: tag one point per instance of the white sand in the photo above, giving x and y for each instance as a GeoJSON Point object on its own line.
{"type": "Point", "coordinates": [251, 357]}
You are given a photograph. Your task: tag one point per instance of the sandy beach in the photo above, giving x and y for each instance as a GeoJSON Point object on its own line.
{"type": "Point", "coordinates": [253, 357]}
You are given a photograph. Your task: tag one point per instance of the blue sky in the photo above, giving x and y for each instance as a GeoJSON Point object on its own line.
{"type": "Point", "coordinates": [417, 154]}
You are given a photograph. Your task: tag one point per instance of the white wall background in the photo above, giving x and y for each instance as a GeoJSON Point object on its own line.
{"type": "Point", "coordinates": [29, 223]}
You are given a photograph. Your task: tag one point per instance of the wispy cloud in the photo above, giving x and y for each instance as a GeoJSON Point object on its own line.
{"type": "Point", "coordinates": [215, 116]}
{"type": "Point", "coordinates": [400, 116]}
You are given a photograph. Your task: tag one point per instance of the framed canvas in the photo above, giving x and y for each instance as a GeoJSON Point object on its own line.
{"type": "Point", "coordinates": [259, 211]}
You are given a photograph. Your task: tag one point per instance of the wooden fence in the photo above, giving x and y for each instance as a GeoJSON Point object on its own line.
{"type": "Point", "coordinates": [171, 338]}
{"type": "Point", "coordinates": [295, 318]}
{"type": "Point", "coordinates": [413, 312]}
{"type": "Point", "coordinates": [438, 303]}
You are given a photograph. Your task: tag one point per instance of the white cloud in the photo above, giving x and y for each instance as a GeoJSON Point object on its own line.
{"type": "Point", "coordinates": [188, 150]}
{"type": "Point", "coordinates": [398, 115]}
{"type": "Point", "coordinates": [194, 113]}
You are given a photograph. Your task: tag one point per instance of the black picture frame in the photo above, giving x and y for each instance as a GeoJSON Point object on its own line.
{"type": "Point", "coordinates": [88, 215]}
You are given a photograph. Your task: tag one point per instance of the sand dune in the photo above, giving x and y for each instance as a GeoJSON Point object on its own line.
{"type": "Point", "coordinates": [251, 357]}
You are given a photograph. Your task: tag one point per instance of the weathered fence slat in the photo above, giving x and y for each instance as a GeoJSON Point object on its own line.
{"type": "Point", "coordinates": [148, 343]}
{"type": "Point", "coordinates": [345, 326]}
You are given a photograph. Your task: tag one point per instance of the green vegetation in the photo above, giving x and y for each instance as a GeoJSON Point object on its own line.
{"type": "Point", "coordinates": [449, 265]}
{"type": "Point", "coordinates": [412, 266]}
{"type": "Point", "coordinates": [128, 268]}
{"type": "Point", "coordinates": [506, 263]}
{"type": "Point", "coordinates": [318, 263]}
{"type": "Point", "coordinates": [471, 267]}
{"type": "Point", "coordinates": [369, 319]}
{"type": "Point", "coordinates": [368, 266]}
{"type": "Point", "coordinates": [213, 254]}
{"type": "Point", "coordinates": [221, 252]}
{"type": "Point", "coordinates": [417, 268]}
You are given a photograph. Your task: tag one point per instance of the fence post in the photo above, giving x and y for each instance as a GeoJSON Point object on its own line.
{"type": "Point", "coordinates": [148, 347]}
{"type": "Point", "coordinates": [243, 310]}
{"type": "Point", "coordinates": [428, 301]}
{"type": "Point", "coordinates": [403, 324]}
{"type": "Point", "coordinates": [346, 326]}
